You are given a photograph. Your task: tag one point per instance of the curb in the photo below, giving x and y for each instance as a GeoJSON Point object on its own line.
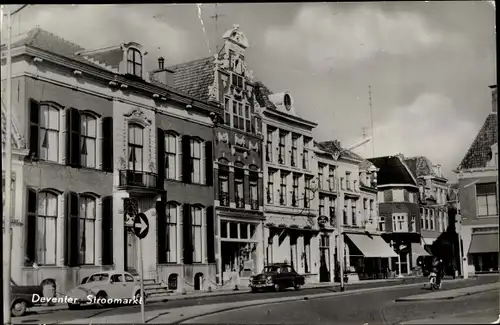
{"type": "Point", "coordinates": [409, 299]}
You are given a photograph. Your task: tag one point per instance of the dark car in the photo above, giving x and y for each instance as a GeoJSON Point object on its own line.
{"type": "Point", "coordinates": [276, 277]}
{"type": "Point", "coordinates": [21, 297]}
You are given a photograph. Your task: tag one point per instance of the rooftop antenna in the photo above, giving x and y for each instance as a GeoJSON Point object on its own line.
{"type": "Point", "coordinates": [371, 117]}
{"type": "Point", "coordinates": [216, 17]}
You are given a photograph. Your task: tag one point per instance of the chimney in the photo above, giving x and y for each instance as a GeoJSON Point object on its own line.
{"type": "Point", "coordinates": [494, 98]}
{"type": "Point", "coordinates": [162, 75]}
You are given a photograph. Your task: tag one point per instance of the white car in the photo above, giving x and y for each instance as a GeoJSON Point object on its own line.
{"type": "Point", "coordinates": [106, 288]}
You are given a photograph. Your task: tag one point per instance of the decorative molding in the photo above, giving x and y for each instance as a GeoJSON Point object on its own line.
{"type": "Point", "coordinates": [254, 147]}
{"type": "Point", "coordinates": [223, 137]}
{"type": "Point", "coordinates": [240, 141]}
{"type": "Point", "coordinates": [138, 114]}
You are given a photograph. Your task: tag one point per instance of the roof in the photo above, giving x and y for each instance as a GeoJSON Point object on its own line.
{"type": "Point", "coordinates": [333, 146]}
{"type": "Point", "coordinates": [479, 153]}
{"type": "Point", "coordinates": [420, 166]}
{"type": "Point", "coordinates": [262, 93]}
{"type": "Point", "coordinates": [392, 170]}
{"type": "Point", "coordinates": [194, 77]}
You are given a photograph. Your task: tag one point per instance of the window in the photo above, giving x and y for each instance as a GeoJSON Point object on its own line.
{"type": "Point", "coordinates": [269, 147]}
{"type": "Point", "coordinates": [283, 189]}
{"type": "Point", "coordinates": [281, 154]}
{"type": "Point", "coordinates": [387, 196]}
{"type": "Point", "coordinates": [381, 224]}
{"type": "Point", "coordinates": [129, 278]}
{"type": "Point", "coordinates": [294, 151]}
{"type": "Point", "coordinates": [196, 217]}
{"type": "Point", "coordinates": [432, 220]}
{"type": "Point", "coordinates": [170, 156]}
{"type": "Point", "coordinates": [241, 116]}
{"type": "Point", "coordinates": [254, 202]}
{"type": "Point", "coordinates": [365, 204]}
{"type": "Point", "coordinates": [321, 206]}
{"type": "Point", "coordinates": [223, 186]}
{"type": "Point", "coordinates": [344, 216]}
{"type": "Point", "coordinates": [172, 215]}
{"type": "Point", "coordinates": [196, 161]}
{"type": "Point", "coordinates": [354, 212]}
{"type": "Point", "coordinates": [86, 229]}
{"type": "Point", "coordinates": [295, 194]}
{"type": "Point", "coordinates": [305, 155]}
{"type": "Point", "coordinates": [413, 225]}
{"type": "Point", "coordinates": [320, 176]}
{"type": "Point", "coordinates": [239, 197]}
{"type": "Point", "coordinates": [117, 278]}
{"type": "Point", "coordinates": [307, 192]}
{"type": "Point", "coordinates": [89, 137]}
{"type": "Point", "coordinates": [426, 218]}
{"type": "Point", "coordinates": [227, 114]}
{"type": "Point", "coordinates": [486, 199]}
{"type": "Point", "coordinates": [134, 62]}
{"type": "Point", "coordinates": [400, 223]}
{"type": "Point", "coordinates": [270, 188]}
{"type": "Point", "coordinates": [348, 180]}
{"type": "Point", "coordinates": [237, 80]}
{"type": "Point", "coordinates": [406, 197]}
{"type": "Point", "coordinates": [49, 133]}
{"type": "Point", "coordinates": [331, 178]}
{"type": "Point", "coordinates": [307, 254]}
{"type": "Point", "coordinates": [135, 147]}
{"type": "Point", "coordinates": [46, 228]}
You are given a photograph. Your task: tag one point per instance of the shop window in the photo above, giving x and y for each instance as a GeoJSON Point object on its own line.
{"type": "Point", "coordinates": [223, 229]}
{"type": "Point", "coordinates": [243, 231]}
{"type": "Point", "coordinates": [233, 230]}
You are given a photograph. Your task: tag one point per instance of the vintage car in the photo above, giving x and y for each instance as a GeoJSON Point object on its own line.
{"type": "Point", "coordinates": [21, 297]}
{"type": "Point", "coordinates": [276, 277]}
{"type": "Point", "coordinates": [105, 288]}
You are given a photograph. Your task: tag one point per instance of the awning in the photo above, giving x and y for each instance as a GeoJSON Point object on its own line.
{"type": "Point", "coordinates": [372, 246]}
{"type": "Point", "coordinates": [483, 243]}
{"type": "Point", "coordinates": [418, 250]}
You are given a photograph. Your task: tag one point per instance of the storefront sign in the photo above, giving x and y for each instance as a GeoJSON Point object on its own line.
{"type": "Point", "coordinates": [322, 220]}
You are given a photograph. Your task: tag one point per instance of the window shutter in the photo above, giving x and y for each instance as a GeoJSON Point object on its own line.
{"type": "Point", "coordinates": [107, 230]}
{"type": "Point", "coordinates": [210, 235]}
{"type": "Point", "coordinates": [31, 227]}
{"type": "Point", "coordinates": [72, 229]}
{"type": "Point", "coordinates": [161, 230]}
{"type": "Point", "coordinates": [73, 143]}
{"type": "Point", "coordinates": [209, 164]}
{"type": "Point", "coordinates": [187, 166]}
{"type": "Point", "coordinates": [187, 234]}
{"type": "Point", "coordinates": [161, 156]}
{"type": "Point", "coordinates": [34, 127]}
{"type": "Point", "coordinates": [107, 144]}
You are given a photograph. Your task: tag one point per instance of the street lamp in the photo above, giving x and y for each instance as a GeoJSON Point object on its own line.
{"type": "Point", "coordinates": [340, 231]}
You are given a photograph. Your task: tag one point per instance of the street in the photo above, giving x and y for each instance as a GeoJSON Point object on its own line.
{"type": "Point", "coordinates": [346, 307]}
{"type": "Point", "coordinates": [371, 307]}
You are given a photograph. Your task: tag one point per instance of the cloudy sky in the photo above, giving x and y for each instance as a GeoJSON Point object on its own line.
{"type": "Point", "coordinates": [429, 64]}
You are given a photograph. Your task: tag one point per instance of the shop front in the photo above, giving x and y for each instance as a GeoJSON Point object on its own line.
{"type": "Point", "coordinates": [483, 252]}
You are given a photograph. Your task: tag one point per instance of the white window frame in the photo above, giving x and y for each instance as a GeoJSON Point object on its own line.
{"type": "Point", "coordinates": [45, 216]}
{"type": "Point", "coordinates": [45, 129]}
{"type": "Point", "coordinates": [200, 159]}
{"type": "Point", "coordinates": [85, 137]}
{"type": "Point", "coordinates": [172, 228]}
{"type": "Point", "coordinates": [87, 218]}
{"type": "Point", "coordinates": [197, 250]}
{"type": "Point", "coordinates": [171, 173]}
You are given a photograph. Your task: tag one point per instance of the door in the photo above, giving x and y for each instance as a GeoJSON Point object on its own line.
{"type": "Point", "coordinates": [324, 271]}
{"type": "Point", "coordinates": [131, 251]}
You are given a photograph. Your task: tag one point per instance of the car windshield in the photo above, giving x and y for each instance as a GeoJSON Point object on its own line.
{"type": "Point", "coordinates": [271, 269]}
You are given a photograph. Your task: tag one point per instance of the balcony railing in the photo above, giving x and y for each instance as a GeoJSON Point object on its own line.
{"type": "Point", "coordinates": [269, 197]}
{"type": "Point", "coordinates": [282, 199]}
{"type": "Point", "coordinates": [294, 199]}
{"type": "Point", "coordinates": [281, 159]}
{"type": "Point", "coordinates": [268, 153]}
{"type": "Point", "coordinates": [240, 202]}
{"type": "Point", "coordinates": [254, 204]}
{"type": "Point", "coordinates": [224, 199]}
{"type": "Point", "coordinates": [138, 178]}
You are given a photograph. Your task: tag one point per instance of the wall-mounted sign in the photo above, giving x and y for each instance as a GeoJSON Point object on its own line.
{"type": "Point", "coordinates": [322, 220]}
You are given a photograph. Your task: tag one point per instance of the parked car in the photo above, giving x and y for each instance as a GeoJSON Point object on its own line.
{"type": "Point", "coordinates": [277, 277]}
{"type": "Point", "coordinates": [105, 288]}
{"type": "Point", "coordinates": [21, 297]}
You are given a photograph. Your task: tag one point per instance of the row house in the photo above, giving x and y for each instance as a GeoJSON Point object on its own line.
{"type": "Point", "coordinates": [290, 206]}
{"type": "Point", "coordinates": [432, 198]}
{"type": "Point", "coordinates": [103, 141]}
{"type": "Point", "coordinates": [352, 199]}
{"type": "Point", "coordinates": [398, 200]}
{"type": "Point", "coordinates": [226, 81]}
{"type": "Point", "coordinates": [478, 196]}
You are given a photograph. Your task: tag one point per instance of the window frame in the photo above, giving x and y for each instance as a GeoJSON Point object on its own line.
{"type": "Point", "coordinates": [192, 143]}
{"type": "Point", "coordinates": [169, 154]}
{"type": "Point", "coordinates": [131, 145]}
{"type": "Point", "coordinates": [195, 226]}
{"type": "Point", "coordinates": [48, 129]}
{"type": "Point", "coordinates": [44, 217]}
{"type": "Point", "coordinates": [136, 61]}
{"type": "Point", "coordinates": [85, 137]}
{"type": "Point", "coordinates": [488, 195]}
{"type": "Point", "coordinates": [83, 201]}
{"type": "Point", "coordinates": [174, 227]}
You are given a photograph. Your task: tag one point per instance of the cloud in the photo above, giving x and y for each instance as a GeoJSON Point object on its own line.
{"type": "Point", "coordinates": [95, 26]}
{"type": "Point", "coordinates": [427, 127]}
{"type": "Point", "coordinates": [327, 39]}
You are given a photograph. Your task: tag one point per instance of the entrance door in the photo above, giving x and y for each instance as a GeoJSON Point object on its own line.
{"type": "Point", "coordinates": [131, 251]}
{"type": "Point", "coordinates": [324, 255]}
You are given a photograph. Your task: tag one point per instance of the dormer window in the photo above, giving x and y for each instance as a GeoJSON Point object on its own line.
{"type": "Point", "coordinates": [288, 102]}
{"type": "Point", "coordinates": [134, 62]}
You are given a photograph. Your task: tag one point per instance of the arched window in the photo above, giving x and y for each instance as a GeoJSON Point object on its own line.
{"type": "Point", "coordinates": [196, 222]}
{"type": "Point", "coordinates": [171, 155]}
{"type": "Point", "coordinates": [172, 216]}
{"type": "Point", "coordinates": [86, 230]}
{"type": "Point", "coordinates": [135, 147]}
{"type": "Point", "coordinates": [46, 228]}
{"type": "Point", "coordinates": [134, 62]}
{"type": "Point", "coordinates": [196, 161]}
{"type": "Point", "coordinates": [88, 141]}
{"type": "Point", "coordinates": [49, 133]}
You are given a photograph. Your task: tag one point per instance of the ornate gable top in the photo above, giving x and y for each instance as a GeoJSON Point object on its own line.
{"type": "Point", "coordinates": [236, 36]}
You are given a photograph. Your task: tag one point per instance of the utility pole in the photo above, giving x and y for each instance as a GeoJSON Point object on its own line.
{"type": "Point", "coordinates": [8, 178]}
{"type": "Point", "coordinates": [371, 117]}
{"type": "Point", "coordinates": [216, 17]}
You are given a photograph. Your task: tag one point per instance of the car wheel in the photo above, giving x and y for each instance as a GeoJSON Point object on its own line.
{"type": "Point", "coordinates": [277, 287]}
{"type": "Point", "coordinates": [296, 286]}
{"type": "Point", "coordinates": [137, 296]}
{"type": "Point", "coordinates": [19, 308]}
{"type": "Point", "coordinates": [254, 290]}
{"type": "Point", "coordinates": [73, 306]}
{"type": "Point", "coordinates": [102, 298]}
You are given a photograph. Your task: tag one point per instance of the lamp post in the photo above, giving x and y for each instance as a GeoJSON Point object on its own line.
{"type": "Point", "coordinates": [340, 231]}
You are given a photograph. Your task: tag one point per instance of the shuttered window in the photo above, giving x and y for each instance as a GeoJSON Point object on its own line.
{"type": "Point", "coordinates": [107, 144]}
{"type": "Point", "coordinates": [107, 231]}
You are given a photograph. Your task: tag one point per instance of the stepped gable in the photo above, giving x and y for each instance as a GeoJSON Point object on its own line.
{"type": "Point", "coordinates": [479, 153]}
{"type": "Point", "coordinates": [194, 77]}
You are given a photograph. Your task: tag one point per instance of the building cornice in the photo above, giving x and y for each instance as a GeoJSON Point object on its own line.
{"type": "Point", "coordinates": [397, 185]}
{"type": "Point", "coordinates": [294, 119]}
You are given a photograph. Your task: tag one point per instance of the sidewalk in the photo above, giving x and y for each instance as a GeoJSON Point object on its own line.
{"type": "Point", "coordinates": [475, 317]}
{"type": "Point", "coordinates": [177, 315]}
{"type": "Point", "coordinates": [451, 294]}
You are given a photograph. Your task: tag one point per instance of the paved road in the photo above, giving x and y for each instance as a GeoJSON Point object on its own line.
{"type": "Point", "coordinates": [371, 307]}
{"type": "Point", "coordinates": [51, 316]}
